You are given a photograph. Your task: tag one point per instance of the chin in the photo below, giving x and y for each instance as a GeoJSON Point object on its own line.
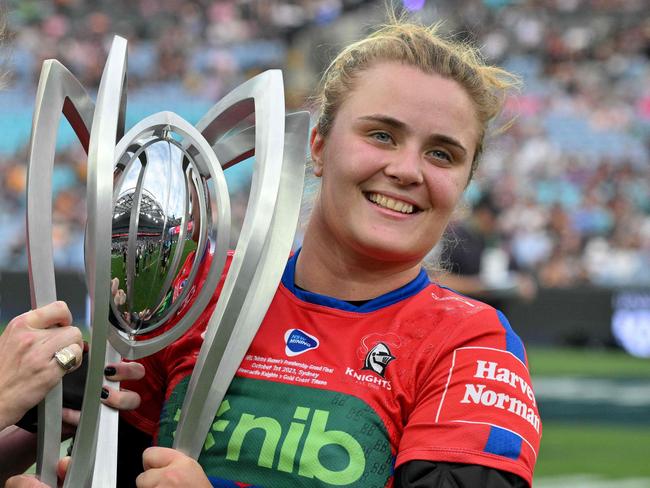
{"type": "Point", "coordinates": [389, 252]}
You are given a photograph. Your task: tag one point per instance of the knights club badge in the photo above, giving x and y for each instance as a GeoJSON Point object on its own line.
{"type": "Point", "coordinates": [378, 359]}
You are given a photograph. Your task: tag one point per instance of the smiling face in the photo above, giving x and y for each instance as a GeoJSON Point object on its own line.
{"type": "Point", "coordinates": [393, 165]}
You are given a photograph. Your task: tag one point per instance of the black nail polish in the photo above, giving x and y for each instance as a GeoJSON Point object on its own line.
{"type": "Point", "coordinates": [109, 371]}
{"type": "Point", "coordinates": [104, 393]}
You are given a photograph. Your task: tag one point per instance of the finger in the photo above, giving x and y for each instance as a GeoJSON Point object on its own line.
{"type": "Point", "coordinates": [24, 481]}
{"type": "Point", "coordinates": [148, 479]}
{"type": "Point", "coordinates": [120, 297]}
{"type": "Point", "coordinates": [115, 284]}
{"type": "Point", "coordinates": [62, 337]}
{"type": "Point", "coordinates": [158, 457]}
{"type": "Point", "coordinates": [75, 349]}
{"type": "Point", "coordinates": [120, 400]}
{"type": "Point", "coordinates": [124, 371]}
{"type": "Point", "coordinates": [70, 416]}
{"type": "Point", "coordinates": [62, 467]}
{"type": "Point", "coordinates": [52, 314]}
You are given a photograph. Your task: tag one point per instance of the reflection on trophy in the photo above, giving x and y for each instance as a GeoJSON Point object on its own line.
{"type": "Point", "coordinates": [157, 237]}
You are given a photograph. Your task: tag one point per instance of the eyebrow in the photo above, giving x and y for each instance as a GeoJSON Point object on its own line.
{"type": "Point", "coordinates": [398, 124]}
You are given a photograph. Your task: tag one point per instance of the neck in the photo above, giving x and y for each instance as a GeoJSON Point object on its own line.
{"type": "Point", "coordinates": [326, 267]}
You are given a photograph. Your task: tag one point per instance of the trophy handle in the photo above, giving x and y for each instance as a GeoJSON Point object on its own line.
{"type": "Point", "coordinates": [108, 126]}
{"type": "Point", "coordinates": [58, 92]}
{"type": "Point", "coordinates": [257, 267]}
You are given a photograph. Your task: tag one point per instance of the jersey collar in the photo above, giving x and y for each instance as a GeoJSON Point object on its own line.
{"type": "Point", "coordinates": [415, 286]}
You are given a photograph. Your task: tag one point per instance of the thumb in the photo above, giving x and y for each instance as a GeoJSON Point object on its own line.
{"type": "Point", "coordinates": [24, 481]}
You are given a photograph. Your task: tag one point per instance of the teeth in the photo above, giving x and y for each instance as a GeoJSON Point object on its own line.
{"type": "Point", "coordinates": [396, 205]}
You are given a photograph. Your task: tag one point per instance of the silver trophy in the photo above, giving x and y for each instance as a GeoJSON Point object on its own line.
{"type": "Point", "coordinates": [157, 236]}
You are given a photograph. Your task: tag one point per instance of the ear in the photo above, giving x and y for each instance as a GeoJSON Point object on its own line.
{"type": "Point", "coordinates": [316, 144]}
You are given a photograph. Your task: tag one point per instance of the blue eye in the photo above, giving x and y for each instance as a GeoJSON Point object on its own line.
{"type": "Point", "coordinates": [382, 136]}
{"type": "Point", "coordinates": [440, 154]}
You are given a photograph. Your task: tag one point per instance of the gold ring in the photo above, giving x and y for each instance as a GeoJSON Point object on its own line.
{"type": "Point", "coordinates": [66, 358]}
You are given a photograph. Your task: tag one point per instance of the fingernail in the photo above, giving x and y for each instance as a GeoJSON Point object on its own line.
{"type": "Point", "coordinates": [109, 371]}
{"type": "Point", "coordinates": [104, 393]}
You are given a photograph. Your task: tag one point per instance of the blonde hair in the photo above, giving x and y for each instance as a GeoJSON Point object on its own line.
{"type": "Point", "coordinates": [422, 47]}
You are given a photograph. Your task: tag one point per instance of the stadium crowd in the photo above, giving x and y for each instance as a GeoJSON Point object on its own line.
{"type": "Point", "coordinates": [570, 179]}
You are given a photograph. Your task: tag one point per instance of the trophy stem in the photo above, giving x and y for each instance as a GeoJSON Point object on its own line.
{"type": "Point", "coordinates": [105, 470]}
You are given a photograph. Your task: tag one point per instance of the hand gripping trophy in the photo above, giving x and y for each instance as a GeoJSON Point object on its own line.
{"type": "Point", "coordinates": [157, 236]}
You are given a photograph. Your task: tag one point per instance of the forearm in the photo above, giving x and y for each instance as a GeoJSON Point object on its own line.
{"type": "Point", "coordinates": [17, 451]}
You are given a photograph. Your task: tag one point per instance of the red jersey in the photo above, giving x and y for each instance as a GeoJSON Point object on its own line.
{"type": "Point", "coordinates": [336, 394]}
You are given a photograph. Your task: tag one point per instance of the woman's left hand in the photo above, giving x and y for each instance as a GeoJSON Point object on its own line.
{"type": "Point", "coordinates": [122, 399]}
{"type": "Point", "coordinates": [168, 468]}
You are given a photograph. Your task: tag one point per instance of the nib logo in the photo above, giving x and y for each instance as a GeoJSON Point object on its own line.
{"type": "Point", "coordinates": [298, 342]}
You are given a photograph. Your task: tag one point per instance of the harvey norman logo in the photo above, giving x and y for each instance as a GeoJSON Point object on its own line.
{"type": "Point", "coordinates": [491, 386]}
{"type": "Point", "coordinates": [483, 395]}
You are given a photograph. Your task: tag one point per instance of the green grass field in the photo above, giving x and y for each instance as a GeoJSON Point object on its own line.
{"type": "Point", "coordinates": [610, 451]}
{"type": "Point", "coordinates": [150, 277]}
{"type": "Point", "coordinates": [596, 438]}
{"type": "Point", "coordinates": [586, 363]}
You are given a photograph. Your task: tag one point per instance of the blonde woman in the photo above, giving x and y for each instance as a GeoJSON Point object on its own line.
{"type": "Point", "coordinates": [363, 372]}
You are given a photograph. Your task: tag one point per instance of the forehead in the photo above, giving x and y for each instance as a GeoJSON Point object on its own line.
{"type": "Point", "coordinates": [424, 101]}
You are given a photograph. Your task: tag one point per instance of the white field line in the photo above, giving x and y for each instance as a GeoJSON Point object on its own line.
{"type": "Point", "coordinates": [589, 481]}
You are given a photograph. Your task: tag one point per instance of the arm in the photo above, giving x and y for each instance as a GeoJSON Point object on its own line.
{"type": "Point", "coordinates": [430, 474]}
{"type": "Point", "coordinates": [18, 446]}
{"type": "Point", "coordinates": [473, 403]}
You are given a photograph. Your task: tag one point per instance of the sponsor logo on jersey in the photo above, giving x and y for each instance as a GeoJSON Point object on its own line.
{"type": "Point", "coordinates": [490, 386]}
{"type": "Point", "coordinates": [272, 434]}
{"type": "Point", "coordinates": [298, 342]}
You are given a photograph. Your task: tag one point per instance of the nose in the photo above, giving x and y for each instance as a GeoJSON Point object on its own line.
{"type": "Point", "coordinates": [405, 167]}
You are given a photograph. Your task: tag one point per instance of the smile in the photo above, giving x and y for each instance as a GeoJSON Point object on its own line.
{"type": "Point", "coordinates": [390, 203]}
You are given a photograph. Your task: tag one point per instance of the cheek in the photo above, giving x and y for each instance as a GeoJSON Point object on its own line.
{"type": "Point", "coordinates": [349, 160]}
{"type": "Point", "coordinates": [446, 190]}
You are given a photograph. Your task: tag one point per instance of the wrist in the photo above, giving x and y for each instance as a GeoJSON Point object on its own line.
{"type": "Point", "coordinates": [7, 414]}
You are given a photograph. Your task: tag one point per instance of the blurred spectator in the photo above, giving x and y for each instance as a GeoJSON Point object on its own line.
{"type": "Point", "coordinates": [570, 177]}
{"type": "Point", "coordinates": [476, 258]}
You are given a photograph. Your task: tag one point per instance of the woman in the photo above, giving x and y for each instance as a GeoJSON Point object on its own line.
{"type": "Point", "coordinates": [363, 373]}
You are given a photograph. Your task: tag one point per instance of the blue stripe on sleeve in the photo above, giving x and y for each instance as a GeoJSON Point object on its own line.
{"type": "Point", "coordinates": [503, 443]}
{"type": "Point", "coordinates": [514, 344]}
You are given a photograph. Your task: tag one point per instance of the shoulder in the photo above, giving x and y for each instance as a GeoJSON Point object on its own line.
{"type": "Point", "coordinates": [451, 310]}
{"type": "Point", "coordinates": [473, 402]}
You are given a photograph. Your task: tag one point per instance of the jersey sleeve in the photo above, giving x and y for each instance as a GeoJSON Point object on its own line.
{"type": "Point", "coordinates": [475, 403]}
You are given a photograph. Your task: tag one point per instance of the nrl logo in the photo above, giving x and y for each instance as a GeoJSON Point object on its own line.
{"type": "Point", "coordinates": [378, 358]}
